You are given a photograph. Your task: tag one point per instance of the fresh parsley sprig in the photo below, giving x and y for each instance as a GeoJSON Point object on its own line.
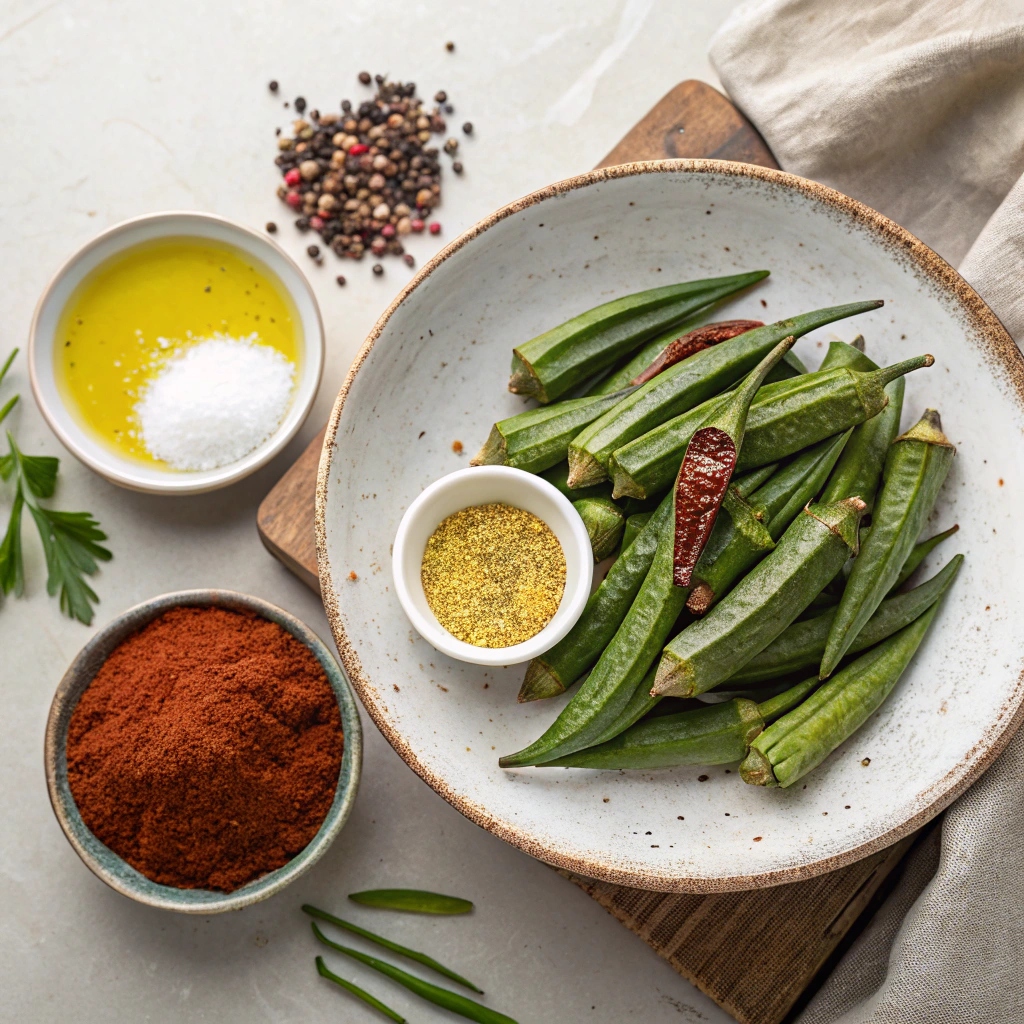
{"type": "Point", "coordinates": [71, 540]}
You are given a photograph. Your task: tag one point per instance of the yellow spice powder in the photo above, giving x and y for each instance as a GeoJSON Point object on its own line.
{"type": "Point", "coordinates": [493, 575]}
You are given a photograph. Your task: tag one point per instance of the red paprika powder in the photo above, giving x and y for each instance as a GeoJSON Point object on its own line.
{"type": "Point", "coordinates": [206, 750]}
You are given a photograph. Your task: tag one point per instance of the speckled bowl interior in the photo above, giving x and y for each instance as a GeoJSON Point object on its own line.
{"type": "Point", "coordinates": [435, 369]}
{"type": "Point", "coordinates": [106, 864]}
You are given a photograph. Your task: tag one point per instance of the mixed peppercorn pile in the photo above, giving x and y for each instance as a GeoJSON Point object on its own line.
{"type": "Point", "coordinates": [365, 178]}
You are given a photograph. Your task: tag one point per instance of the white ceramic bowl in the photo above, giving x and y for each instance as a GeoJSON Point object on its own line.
{"type": "Point", "coordinates": [479, 486]}
{"type": "Point", "coordinates": [134, 475]}
{"type": "Point", "coordinates": [437, 363]}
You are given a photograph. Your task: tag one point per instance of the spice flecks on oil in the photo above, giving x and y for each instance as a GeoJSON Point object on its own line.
{"type": "Point", "coordinates": [493, 575]}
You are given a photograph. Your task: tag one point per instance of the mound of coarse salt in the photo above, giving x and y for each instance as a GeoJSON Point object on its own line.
{"type": "Point", "coordinates": [214, 402]}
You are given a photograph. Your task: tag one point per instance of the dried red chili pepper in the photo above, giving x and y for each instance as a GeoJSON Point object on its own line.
{"type": "Point", "coordinates": [694, 342]}
{"type": "Point", "coordinates": [707, 468]}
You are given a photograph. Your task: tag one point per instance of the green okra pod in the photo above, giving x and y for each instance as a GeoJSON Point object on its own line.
{"type": "Point", "coordinates": [920, 552]}
{"type": "Point", "coordinates": [860, 469]}
{"type": "Point", "coordinates": [754, 533]}
{"type": "Point", "coordinates": [557, 669]}
{"type": "Point", "coordinates": [634, 524]}
{"type": "Point", "coordinates": [763, 603]}
{"type": "Point", "coordinates": [685, 385]}
{"type": "Point", "coordinates": [799, 741]}
{"type": "Point", "coordinates": [716, 734]}
{"type": "Point", "coordinates": [802, 644]}
{"type": "Point", "coordinates": [598, 704]}
{"type": "Point", "coordinates": [849, 355]}
{"type": "Point", "coordinates": [915, 469]}
{"type": "Point", "coordinates": [443, 997]}
{"type": "Point", "coordinates": [558, 476]}
{"type": "Point", "coordinates": [548, 366]}
{"type": "Point", "coordinates": [604, 521]}
{"type": "Point", "coordinates": [538, 439]}
{"type": "Point", "coordinates": [784, 419]}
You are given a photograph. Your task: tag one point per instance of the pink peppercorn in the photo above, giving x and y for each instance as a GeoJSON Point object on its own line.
{"type": "Point", "coordinates": [388, 230]}
{"type": "Point", "coordinates": [435, 228]}
{"type": "Point", "coordinates": [293, 177]}
{"type": "Point", "coordinates": [417, 225]}
{"type": "Point", "coordinates": [358, 149]}
{"type": "Point", "coordinates": [294, 200]}
{"type": "Point", "coordinates": [316, 223]}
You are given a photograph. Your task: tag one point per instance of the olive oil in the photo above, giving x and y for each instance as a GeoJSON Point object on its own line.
{"type": "Point", "coordinates": [136, 310]}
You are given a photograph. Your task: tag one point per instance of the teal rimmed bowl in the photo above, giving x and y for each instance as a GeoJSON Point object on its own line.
{"type": "Point", "coordinates": [106, 864]}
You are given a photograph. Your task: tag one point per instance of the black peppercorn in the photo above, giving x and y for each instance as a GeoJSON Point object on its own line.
{"type": "Point", "coordinates": [271, 227]}
{"type": "Point", "coordinates": [346, 105]}
{"type": "Point", "coordinates": [449, 46]}
{"type": "Point", "coordinates": [409, 261]}
{"type": "Point", "coordinates": [300, 104]}
{"type": "Point", "coordinates": [302, 223]}
{"type": "Point", "coordinates": [313, 251]}
{"type": "Point", "coordinates": [468, 127]}
{"type": "Point", "coordinates": [341, 280]}
{"type": "Point", "coordinates": [378, 269]}
{"type": "Point", "coordinates": [273, 85]}
{"type": "Point", "coordinates": [457, 166]}
{"type": "Point", "coordinates": [364, 77]}
{"type": "Point", "coordinates": [440, 96]}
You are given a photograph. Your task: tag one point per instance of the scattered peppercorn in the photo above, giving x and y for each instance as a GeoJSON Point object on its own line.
{"type": "Point", "coordinates": [449, 109]}
{"type": "Point", "coordinates": [450, 145]}
{"type": "Point", "coordinates": [449, 46]}
{"type": "Point", "coordinates": [378, 269]}
{"type": "Point", "coordinates": [435, 228]}
{"type": "Point", "coordinates": [365, 178]}
{"type": "Point", "coordinates": [271, 227]}
{"type": "Point", "coordinates": [440, 96]}
{"type": "Point", "coordinates": [409, 261]}
{"type": "Point", "coordinates": [273, 85]}
{"type": "Point", "coordinates": [341, 280]}
{"type": "Point", "coordinates": [468, 127]}
{"type": "Point", "coordinates": [313, 251]}
{"type": "Point", "coordinates": [457, 166]}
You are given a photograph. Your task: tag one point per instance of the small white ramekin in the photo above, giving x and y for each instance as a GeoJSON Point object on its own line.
{"type": "Point", "coordinates": [80, 442]}
{"type": "Point", "coordinates": [482, 485]}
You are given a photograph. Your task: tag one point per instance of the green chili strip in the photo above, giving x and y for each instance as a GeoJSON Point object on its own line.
{"type": "Point", "coordinates": [325, 972]}
{"type": "Point", "coordinates": [442, 997]}
{"type": "Point", "coordinates": [412, 954]}
{"type": "Point", "coordinates": [415, 901]}
{"type": "Point", "coordinates": [915, 469]}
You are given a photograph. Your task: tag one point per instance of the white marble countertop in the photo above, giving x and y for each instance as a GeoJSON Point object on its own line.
{"type": "Point", "coordinates": [111, 109]}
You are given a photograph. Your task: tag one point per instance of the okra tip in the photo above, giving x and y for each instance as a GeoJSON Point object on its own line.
{"type": "Point", "coordinates": [672, 678]}
{"type": "Point", "coordinates": [700, 599]}
{"type": "Point", "coordinates": [492, 453]}
{"type": "Point", "coordinates": [540, 683]}
{"type": "Point", "coordinates": [756, 769]}
{"type": "Point", "coordinates": [928, 429]}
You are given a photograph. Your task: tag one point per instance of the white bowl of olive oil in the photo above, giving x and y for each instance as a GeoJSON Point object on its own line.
{"type": "Point", "coordinates": [176, 353]}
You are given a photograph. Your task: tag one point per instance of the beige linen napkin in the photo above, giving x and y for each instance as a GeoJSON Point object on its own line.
{"type": "Point", "coordinates": [917, 109]}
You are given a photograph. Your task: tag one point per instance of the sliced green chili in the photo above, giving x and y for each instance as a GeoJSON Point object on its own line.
{"type": "Point", "coordinates": [538, 439]}
{"type": "Point", "coordinates": [801, 645]}
{"type": "Point", "coordinates": [551, 364]}
{"type": "Point", "coordinates": [799, 741]}
{"type": "Point", "coordinates": [685, 385]}
{"type": "Point", "coordinates": [915, 469]}
{"type": "Point", "coordinates": [415, 901]}
{"type": "Point", "coordinates": [324, 972]}
{"type": "Point", "coordinates": [442, 997]}
{"type": "Point", "coordinates": [763, 603]}
{"type": "Point", "coordinates": [785, 418]}
{"type": "Point", "coordinates": [411, 954]}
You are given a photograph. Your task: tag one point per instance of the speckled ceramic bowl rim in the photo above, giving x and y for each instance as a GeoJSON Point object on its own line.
{"type": "Point", "coordinates": [106, 864]}
{"type": "Point", "coordinates": [888, 233]}
{"type": "Point", "coordinates": [178, 483]}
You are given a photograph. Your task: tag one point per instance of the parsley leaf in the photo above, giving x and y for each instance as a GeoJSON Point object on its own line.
{"type": "Point", "coordinates": [12, 569]}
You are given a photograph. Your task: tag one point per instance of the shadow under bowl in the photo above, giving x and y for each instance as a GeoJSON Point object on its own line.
{"type": "Point", "coordinates": [106, 864]}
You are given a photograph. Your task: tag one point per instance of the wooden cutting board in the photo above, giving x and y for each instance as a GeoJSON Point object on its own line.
{"type": "Point", "coordinates": [759, 954]}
